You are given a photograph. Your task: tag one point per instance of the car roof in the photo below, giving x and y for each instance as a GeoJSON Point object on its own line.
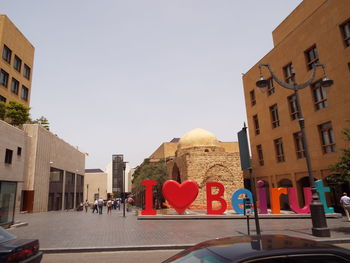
{"type": "Point", "coordinates": [248, 247]}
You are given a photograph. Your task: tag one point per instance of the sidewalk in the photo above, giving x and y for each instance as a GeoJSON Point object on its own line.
{"type": "Point", "coordinates": [71, 231]}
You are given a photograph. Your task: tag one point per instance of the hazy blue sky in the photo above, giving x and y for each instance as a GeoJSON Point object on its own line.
{"type": "Point", "coordinates": [124, 76]}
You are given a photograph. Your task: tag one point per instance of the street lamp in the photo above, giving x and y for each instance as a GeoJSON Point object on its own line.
{"type": "Point", "coordinates": [319, 223]}
{"type": "Point", "coordinates": [124, 167]}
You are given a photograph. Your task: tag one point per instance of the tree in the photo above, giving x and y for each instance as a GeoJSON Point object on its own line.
{"type": "Point", "coordinates": [43, 122]}
{"type": "Point", "coordinates": [16, 113]}
{"type": "Point", "coordinates": [151, 171]}
{"type": "Point", "coordinates": [342, 168]}
{"type": "Point", "coordinates": [2, 110]}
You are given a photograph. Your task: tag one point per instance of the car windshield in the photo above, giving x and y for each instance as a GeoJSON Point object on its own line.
{"type": "Point", "coordinates": [5, 236]}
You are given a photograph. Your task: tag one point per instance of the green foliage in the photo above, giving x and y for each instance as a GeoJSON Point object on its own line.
{"type": "Point", "coordinates": [43, 122]}
{"type": "Point", "coordinates": [2, 110]}
{"type": "Point", "coordinates": [342, 168]}
{"type": "Point", "coordinates": [150, 171]}
{"type": "Point", "coordinates": [16, 113]}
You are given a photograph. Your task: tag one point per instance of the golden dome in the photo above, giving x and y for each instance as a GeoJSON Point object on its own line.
{"type": "Point", "coordinates": [197, 138]}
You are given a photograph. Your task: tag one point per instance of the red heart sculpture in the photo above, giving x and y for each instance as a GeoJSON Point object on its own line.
{"type": "Point", "coordinates": [180, 196]}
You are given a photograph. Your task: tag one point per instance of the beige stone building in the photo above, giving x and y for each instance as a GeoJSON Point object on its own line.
{"type": "Point", "coordinates": [13, 147]}
{"type": "Point", "coordinates": [16, 63]}
{"type": "Point", "coordinates": [316, 31]}
{"type": "Point", "coordinates": [55, 172]}
{"type": "Point", "coordinates": [200, 156]}
{"type": "Point", "coordinates": [95, 185]}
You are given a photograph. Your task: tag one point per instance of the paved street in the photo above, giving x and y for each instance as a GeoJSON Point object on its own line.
{"type": "Point", "coordinates": [67, 230]}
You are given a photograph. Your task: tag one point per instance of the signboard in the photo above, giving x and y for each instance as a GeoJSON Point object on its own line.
{"type": "Point", "coordinates": [243, 148]}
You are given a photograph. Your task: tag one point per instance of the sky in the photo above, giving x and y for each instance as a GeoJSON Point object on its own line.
{"type": "Point", "coordinates": [124, 76]}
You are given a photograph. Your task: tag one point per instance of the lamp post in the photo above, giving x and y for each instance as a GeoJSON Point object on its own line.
{"type": "Point", "coordinates": [124, 167]}
{"type": "Point", "coordinates": [319, 223]}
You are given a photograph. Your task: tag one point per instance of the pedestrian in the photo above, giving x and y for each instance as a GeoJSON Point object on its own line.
{"type": "Point", "coordinates": [118, 203]}
{"type": "Point", "coordinates": [95, 206]}
{"type": "Point", "coordinates": [109, 206]}
{"type": "Point", "coordinates": [345, 203]}
{"type": "Point", "coordinates": [86, 205]}
{"type": "Point", "coordinates": [100, 205]}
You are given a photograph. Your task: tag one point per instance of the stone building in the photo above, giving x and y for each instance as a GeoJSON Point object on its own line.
{"type": "Point", "coordinates": [199, 156]}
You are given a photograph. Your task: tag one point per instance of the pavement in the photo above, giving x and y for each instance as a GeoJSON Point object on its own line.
{"type": "Point", "coordinates": [78, 231]}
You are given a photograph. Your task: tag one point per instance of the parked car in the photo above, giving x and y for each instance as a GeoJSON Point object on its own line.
{"type": "Point", "coordinates": [264, 249]}
{"type": "Point", "coordinates": [14, 250]}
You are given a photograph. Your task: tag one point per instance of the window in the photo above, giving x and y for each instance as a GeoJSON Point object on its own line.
{"type": "Point", "coordinates": [15, 86]}
{"type": "Point", "coordinates": [345, 29]}
{"type": "Point", "coordinates": [19, 151]}
{"type": "Point", "coordinates": [311, 56]}
{"type": "Point", "coordinates": [288, 72]}
{"type": "Point", "coordinates": [24, 94]}
{"type": "Point", "coordinates": [4, 78]}
{"type": "Point", "coordinates": [274, 116]}
{"type": "Point", "coordinates": [279, 150]}
{"type": "Point", "coordinates": [252, 98]}
{"type": "Point", "coordinates": [293, 108]}
{"type": "Point", "coordinates": [256, 124]}
{"type": "Point", "coordinates": [299, 145]}
{"type": "Point", "coordinates": [327, 137]}
{"type": "Point", "coordinates": [3, 99]}
{"type": "Point", "coordinates": [270, 87]}
{"type": "Point", "coordinates": [260, 154]}
{"type": "Point", "coordinates": [17, 64]}
{"type": "Point", "coordinates": [8, 156]}
{"type": "Point", "coordinates": [319, 95]}
{"type": "Point", "coordinates": [6, 54]}
{"type": "Point", "coordinates": [349, 66]}
{"type": "Point", "coordinates": [26, 71]}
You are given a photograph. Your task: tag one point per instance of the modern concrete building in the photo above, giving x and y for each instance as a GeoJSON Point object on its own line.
{"type": "Point", "coordinates": [95, 185]}
{"type": "Point", "coordinates": [13, 147]}
{"type": "Point", "coordinates": [16, 63]}
{"type": "Point", "coordinates": [316, 31]}
{"type": "Point", "coordinates": [55, 172]}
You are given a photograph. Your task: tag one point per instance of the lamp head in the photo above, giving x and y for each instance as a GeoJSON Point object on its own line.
{"type": "Point", "coordinates": [262, 84]}
{"type": "Point", "coordinates": [326, 82]}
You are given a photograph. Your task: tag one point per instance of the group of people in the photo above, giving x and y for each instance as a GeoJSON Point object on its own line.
{"type": "Point", "coordinates": [110, 204]}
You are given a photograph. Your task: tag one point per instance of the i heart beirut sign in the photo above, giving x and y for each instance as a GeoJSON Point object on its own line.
{"type": "Point", "coordinates": [181, 196]}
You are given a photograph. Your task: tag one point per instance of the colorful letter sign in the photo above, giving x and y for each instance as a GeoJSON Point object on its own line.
{"type": "Point", "coordinates": [181, 196]}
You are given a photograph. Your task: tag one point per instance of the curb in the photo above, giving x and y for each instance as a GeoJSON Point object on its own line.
{"type": "Point", "coordinates": [109, 249]}
{"type": "Point", "coordinates": [223, 217]}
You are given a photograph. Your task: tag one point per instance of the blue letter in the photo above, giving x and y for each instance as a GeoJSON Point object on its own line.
{"type": "Point", "coordinates": [321, 190]}
{"type": "Point", "coordinates": [235, 201]}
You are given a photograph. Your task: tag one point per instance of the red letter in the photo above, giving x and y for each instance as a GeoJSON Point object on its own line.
{"type": "Point", "coordinates": [211, 198]}
{"type": "Point", "coordinates": [149, 197]}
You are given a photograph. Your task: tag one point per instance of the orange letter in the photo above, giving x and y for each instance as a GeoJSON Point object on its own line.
{"type": "Point", "coordinates": [275, 198]}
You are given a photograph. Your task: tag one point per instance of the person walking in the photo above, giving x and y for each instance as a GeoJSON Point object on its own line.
{"type": "Point", "coordinates": [95, 206]}
{"type": "Point", "coordinates": [86, 205]}
{"type": "Point", "coordinates": [100, 205]}
{"type": "Point", "coordinates": [345, 203]}
{"type": "Point", "coordinates": [109, 206]}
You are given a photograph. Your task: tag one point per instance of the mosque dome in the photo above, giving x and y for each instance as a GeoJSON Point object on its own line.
{"type": "Point", "coordinates": [198, 138]}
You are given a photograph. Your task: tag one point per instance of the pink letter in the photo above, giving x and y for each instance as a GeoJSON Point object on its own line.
{"type": "Point", "coordinates": [262, 201]}
{"type": "Point", "coordinates": [293, 200]}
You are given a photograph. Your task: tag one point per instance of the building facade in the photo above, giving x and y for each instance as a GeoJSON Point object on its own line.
{"type": "Point", "coordinates": [16, 63]}
{"type": "Point", "coordinates": [13, 147]}
{"type": "Point", "coordinates": [95, 185]}
{"type": "Point", "coordinates": [55, 172]}
{"type": "Point", "coordinates": [316, 31]}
